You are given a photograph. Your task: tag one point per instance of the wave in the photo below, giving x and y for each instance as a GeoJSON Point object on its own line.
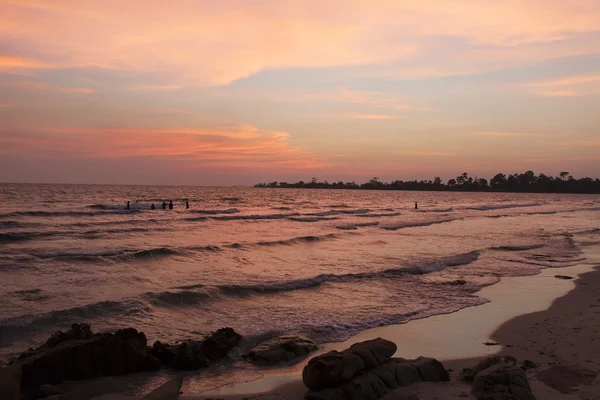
{"type": "Point", "coordinates": [301, 239]}
{"type": "Point", "coordinates": [17, 224]}
{"type": "Point", "coordinates": [354, 227]}
{"type": "Point", "coordinates": [394, 214]}
{"type": "Point", "coordinates": [216, 212]}
{"type": "Point", "coordinates": [437, 210]}
{"type": "Point", "coordinates": [124, 307]}
{"type": "Point", "coordinates": [311, 219]}
{"type": "Point", "coordinates": [518, 247]}
{"type": "Point", "coordinates": [502, 206]}
{"type": "Point", "coordinates": [9, 237]}
{"type": "Point", "coordinates": [251, 217]}
{"type": "Point", "coordinates": [231, 199]}
{"type": "Point", "coordinates": [416, 224]}
{"type": "Point", "coordinates": [65, 213]}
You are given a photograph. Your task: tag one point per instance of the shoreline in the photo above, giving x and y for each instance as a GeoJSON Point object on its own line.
{"type": "Point", "coordinates": [518, 307]}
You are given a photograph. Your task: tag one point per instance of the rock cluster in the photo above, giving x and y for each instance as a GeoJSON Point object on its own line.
{"type": "Point", "coordinates": [194, 354]}
{"type": "Point", "coordinates": [285, 348]}
{"type": "Point", "coordinates": [366, 371]}
{"type": "Point", "coordinates": [80, 354]}
{"type": "Point", "coordinates": [498, 378]}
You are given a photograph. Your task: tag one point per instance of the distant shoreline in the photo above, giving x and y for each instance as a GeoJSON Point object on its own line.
{"type": "Point", "coordinates": [526, 182]}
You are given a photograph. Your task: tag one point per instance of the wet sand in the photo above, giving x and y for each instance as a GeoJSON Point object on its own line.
{"type": "Point", "coordinates": [561, 335]}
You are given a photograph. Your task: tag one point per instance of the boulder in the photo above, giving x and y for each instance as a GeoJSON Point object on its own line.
{"type": "Point", "coordinates": [374, 352]}
{"type": "Point", "coordinates": [167, 391]}
{"type": "Point", "coordinates": [10, 383]}
{"type": "Point", "coordinates": [79, 356]}
{"type": "Point", "coordinates": [431, 370]}
{"type": "Point", "coordinates": [335, 367]}
{"type": "Point", "coordinates": [468, 374]}
{"type": "Point", "coordinates": [331, 369]}
{"type": "Point", "coordinates": [77, 331]}
{"type": "Point", "coordinates": [502, 382]}
{"type": "Point", "coordinates": [281, 349]}
{"type": "Point", "coordinates": [400, 394]}
{"type": "Point", "coordinates": [194, 354]}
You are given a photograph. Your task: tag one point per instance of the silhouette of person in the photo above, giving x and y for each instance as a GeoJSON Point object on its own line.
{"type": "Point", "coordinates": [416, 206]}
{"type": "Point", "coordinates": [187, 205]}
{"type": "Point", "coordinates": [170, 204]}
{"type": "Point", "coordinates": [128, 207]}
{"type": "Point", "coordinates": [164, 205]}
{"type": "Point", "coordinates": [152, 206]}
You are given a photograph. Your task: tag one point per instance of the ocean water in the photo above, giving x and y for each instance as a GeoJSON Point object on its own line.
{"type": "Point", "coordinates": [325, 263]}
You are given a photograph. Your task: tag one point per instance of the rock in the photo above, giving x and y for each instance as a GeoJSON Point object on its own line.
{"type": "Point", "coordinates": [331, 369]}
{"type": "Point", "coordinates": [84, 357]}
{"type": "Point", "coordinates": [406, 373]}
{"type": "Point", "coordinates": [281, 349]}
{"type": "Point", "coordinates": [400, 394]}
{"type": "Point", "coordinates": [335, 367]}
{"type": "Point", "coordinates": [431, 370]}
{"type": "Point", "coordinates": [194, 354]}
{"type": "Point", "coordinates": [468, 374]}
{"type": "Point", "coordinates": [76, 331]}
{"type": "Point", "coordinates": [336, 393]}
{"type": "Point", "coordinates": [502, 382]}
{"type": "Point", "coordinates": [167, 391]}
{"type": "Point", "coordinates": [367, 386]}
{"type": "Point", "coordinates": [10, 383]}
{"type": "Point", "coordinates": [373, 352]}
{"type": "Point", "coordinates": [563, 277]}
{"type": "Point", "coordinates": [528, 364]}
{"type": "Point", "coordinates": [43, 392]}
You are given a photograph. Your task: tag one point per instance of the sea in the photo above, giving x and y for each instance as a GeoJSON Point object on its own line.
{"type": "Point", "coordinates": [322, 263]}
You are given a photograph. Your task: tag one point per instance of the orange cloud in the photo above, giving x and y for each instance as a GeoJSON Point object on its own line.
{"type": "Point", "coordinates": [46, 87]}
{"type": "Point", "coordinates": [215, 43]}
{"type": "Point", "coordinates": [584, 85]}
{"type": "Point", "coordinates": [8, 62]}
{"type": "Point", "coordinates": [227, 146]}
{"type": "Point", "coordinates": [374, 116]}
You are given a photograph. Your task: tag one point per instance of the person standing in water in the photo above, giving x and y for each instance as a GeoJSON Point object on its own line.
{"type": "Point", "coordinates": [416, 206]}
{"type": "Point", "coordinates": [128, 207]}
{"type": "Point", "coordinates": [152, 206]}
{"type": "Point", "coordinates": [164, 205]}
{"type": "Point", "coordinates": [170, 204]}
{"type": "Point", "coordinates": [187, 205]}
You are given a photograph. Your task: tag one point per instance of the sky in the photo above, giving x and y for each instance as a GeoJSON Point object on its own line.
{"type": "Point", "coordinates": [236, 92]}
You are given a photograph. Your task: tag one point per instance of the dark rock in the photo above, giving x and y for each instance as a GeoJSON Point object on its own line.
{"type": "Point", "coordinates": [400, 394]}
{"type": "Point", "coordinates": [373, 352]}
{"type": "Point", "coordinates": [43, 392]}
{"type": "Point", "coordinates": [10, 383]}
{"type": "Point", "coordinates": [528, 364]}
{"type": "Point", "coordinates": [335, 367]}
{"type": "Point", "coordinates": [406, 373]}
{"type": "Point", "coordinates": [563, 277]}
{"type": "Point", "coordinates": [194, 354]}
{"type": "Point", "coordinates": [76, 331]}
{"type": "Point", "coordinates": [366, 387]}
{"type": "Point", "coordinates": [431, 370]}
{"type": "Point", "coordinates": [281, 349]}
{"type": "Point", "coordinates": [502, 382]}
{"type": "Point", "coordinates": [468, 374]}
{"type": "Point", "coordinates": [85, 357]}
{"type": "Point", "coordinates": [336, 393]}
{"type": "Point", "coordinates": [331, 369]}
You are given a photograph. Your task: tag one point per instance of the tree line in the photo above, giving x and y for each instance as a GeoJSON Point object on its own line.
{"type": "Point", "coordinates": [526, 182]}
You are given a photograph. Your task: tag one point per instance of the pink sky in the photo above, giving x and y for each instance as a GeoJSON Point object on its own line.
{"type": "Point", "coordinates": [236, 92]}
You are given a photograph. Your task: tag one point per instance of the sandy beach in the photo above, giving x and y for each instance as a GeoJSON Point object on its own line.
{"type": "Point", "coordinates": [560, 335]}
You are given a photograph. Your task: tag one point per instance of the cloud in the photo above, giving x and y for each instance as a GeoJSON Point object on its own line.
{"type": "Point", "coordinates": [507, 134]}
{"type": "Point", "coordinates": [583, 85]}
{"type": "Point", "coordinates": [47, 87]}
{"type": "Point", "coordinates": [220, 145]}
{"type": "Point", "coordinates": [9, 62]}
{"type": "Point", "coordinates": [202, 42]}
{"type": "Point", "coordinates": [180, 111]}
{"type": "Point", "coordinates": [433, 153]}
{"type": "Point", "coordinates": [373, 116]}
{"type": "Point", "coordinates": [154, 88]}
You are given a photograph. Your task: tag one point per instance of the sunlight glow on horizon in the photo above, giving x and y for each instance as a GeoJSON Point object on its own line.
{"type": "Point", "coordinates": [239, 93]}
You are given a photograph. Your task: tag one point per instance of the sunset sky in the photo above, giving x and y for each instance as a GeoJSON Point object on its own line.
{"type": "Point", "coordinates": [237, 92]}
